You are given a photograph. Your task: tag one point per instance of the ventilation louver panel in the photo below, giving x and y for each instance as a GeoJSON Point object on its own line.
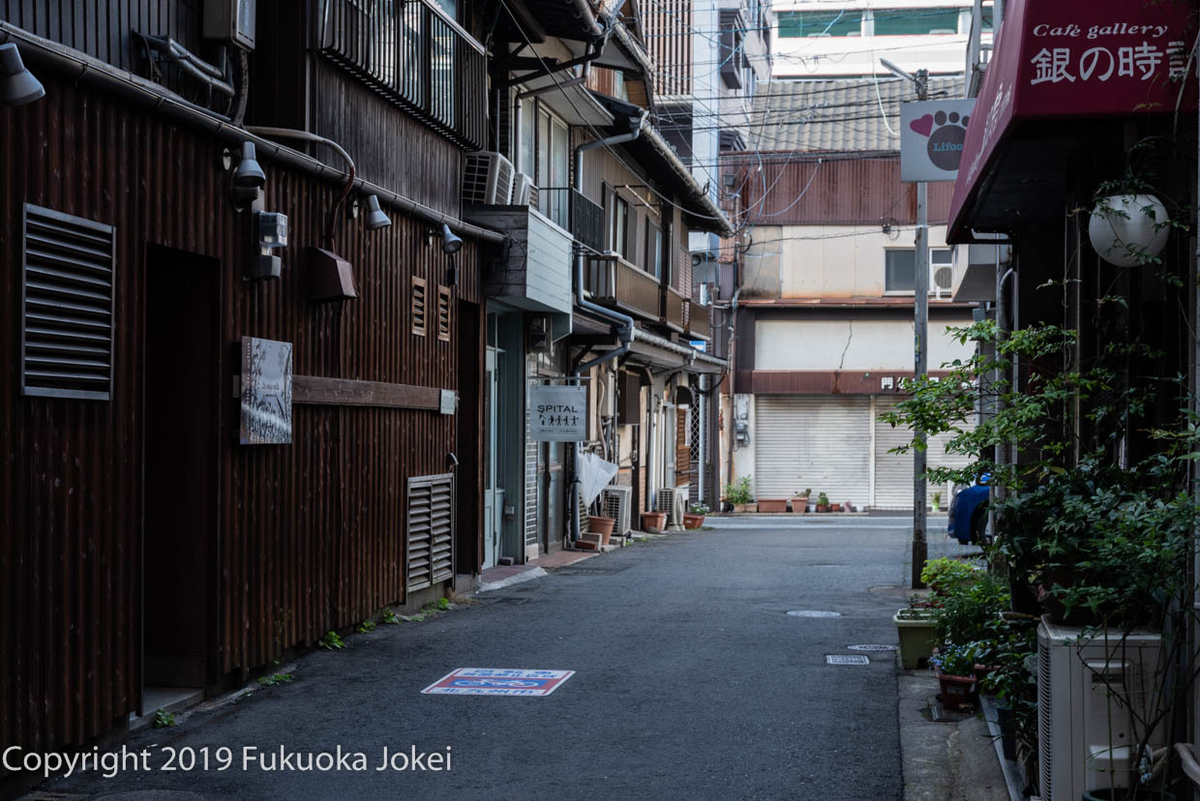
{"type": "Point", "coordinates": [443, 313]}
{"type": "Point", "coordinates": [418, 306]}
{"type": "Point", "coordinates": [67, 311]}
{"type": "Point", "coordinates": [943, 278]}
{"type": "Point", "coordinates": [430, 542]}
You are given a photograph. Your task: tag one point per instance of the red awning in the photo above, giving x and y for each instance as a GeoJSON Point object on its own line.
{"type": "Point", "coordinates": [1059, 60]}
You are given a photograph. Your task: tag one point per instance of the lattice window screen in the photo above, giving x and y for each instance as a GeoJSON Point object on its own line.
{"type": "Point", "coordinates": [67, 307]}
{"type": "Point", "coordinates": [430, 544]}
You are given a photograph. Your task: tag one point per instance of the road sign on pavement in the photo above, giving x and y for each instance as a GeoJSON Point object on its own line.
{"type": "Point", "coordinates": [499, 681]}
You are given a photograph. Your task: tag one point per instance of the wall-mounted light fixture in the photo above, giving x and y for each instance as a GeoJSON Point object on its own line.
{"type": "Point", "coordinates": [17, 84]}
{"type": "Point", "coordinates": [451, 244]}
{"type": "Point", "coordinates": [1129, 230]}
{"type": "Point", "coordinates": [248, 174]}
{"type": "Point", "coordinates": [376, 219]}
{"type": "Point", "coordinates": [271, 233]}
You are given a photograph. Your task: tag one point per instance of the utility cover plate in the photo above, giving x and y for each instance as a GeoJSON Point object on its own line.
{"type": "Point", "coordinates": [871, 647]}
{"type": "Point", "coordinates": [812, 613]}
{"type": "Point", "coordinates": [846, 659]}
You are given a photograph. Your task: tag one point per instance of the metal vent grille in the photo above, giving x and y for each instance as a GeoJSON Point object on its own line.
{"type": "Point", "coordinates": [443, 313]}
{"type": "Point", "coordinates": [1045, 734]}
{"type": "Point", "coordinates": [430, 546]}
{"type": "Point", "coordinates": [67, 308]}
{"type": "Point", "coordinates": [419, 306]}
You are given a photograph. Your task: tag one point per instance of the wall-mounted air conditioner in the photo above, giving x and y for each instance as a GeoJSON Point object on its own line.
{"type": "Point", "coordinates": [941, 280]}
{"type": "Point", "coordinates": [1088, 691]}
{"type": "Point", "coordinates": [524, 193]}
{"type": "Point", "coordinates": [617, 503]}
{"type": "Point", "coordinates": [230, 21]}
{"type": "Point", "coordinates": [487, 179]}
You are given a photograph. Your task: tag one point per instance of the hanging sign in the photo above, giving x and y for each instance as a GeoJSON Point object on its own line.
{"type": "Point", "coordinates": [557, 413]}
{"type": "Point", "coordinates": [266, 392]}
{"type": "Point", "coordinates": [932, 133]}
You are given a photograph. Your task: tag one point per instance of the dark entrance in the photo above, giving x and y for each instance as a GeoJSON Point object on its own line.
{"type": "Point", "coordinates": [180, 468]}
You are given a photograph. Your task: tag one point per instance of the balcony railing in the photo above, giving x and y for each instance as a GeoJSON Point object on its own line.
{"type": "Point", "coordinates": [587, 222]}
{"type": "Point", "coordinates": [415, 56]}
{"type": "Point", "coordinates": [615, 282]}
{"type": "Point", "coordinates": [675, 309]}
{"type": "Point", "coordinates": [699, 324]}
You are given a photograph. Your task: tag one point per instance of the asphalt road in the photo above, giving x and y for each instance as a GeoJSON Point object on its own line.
{"type": "Point", "coordinates": [691, 681]}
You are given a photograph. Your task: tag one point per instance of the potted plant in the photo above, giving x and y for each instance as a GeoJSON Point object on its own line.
{"type": "Point", "coordinates": [654, 521]}
{"type": "Point", "coordinates": [822, 502]}
{"type": "Point", "coordinates": [772, 505]}
{"type": "Point", "coordinates": [739, 495]}
{"type": "Point", "coordinates": [937, 501]}
{"type": "Point", "coordinates": [602, 526]}
{"type": "Point", "coordinates": [915, 629]}
{"type": "Point", "coordinates": [800, 502]}
{"type": "Point", "coordinates": [694, 518]}
{"type": "Point", "coordinates": [955, 669]}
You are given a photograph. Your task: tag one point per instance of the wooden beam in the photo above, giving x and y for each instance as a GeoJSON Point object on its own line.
{"type": "Point", "coordinates": [321, 391]}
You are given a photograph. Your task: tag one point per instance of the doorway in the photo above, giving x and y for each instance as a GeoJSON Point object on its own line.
{"type": "Point", "coordinates": [179, 446]}
{"type": "Point", "coordinates": [493, 492]}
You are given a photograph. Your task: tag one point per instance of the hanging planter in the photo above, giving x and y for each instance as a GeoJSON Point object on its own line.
{"type": "Point", "coordinates": [1129, 230]}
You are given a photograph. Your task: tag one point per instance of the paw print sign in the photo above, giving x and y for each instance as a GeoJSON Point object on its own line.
{"type": "Point", "coordinates": [932, 134]}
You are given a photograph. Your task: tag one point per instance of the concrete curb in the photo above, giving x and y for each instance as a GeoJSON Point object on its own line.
{"type": "Point", "coordinates": [528, 575]}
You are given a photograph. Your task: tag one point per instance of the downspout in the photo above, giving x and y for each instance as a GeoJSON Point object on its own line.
{"type": "Point", "coordinates": [627, 332]}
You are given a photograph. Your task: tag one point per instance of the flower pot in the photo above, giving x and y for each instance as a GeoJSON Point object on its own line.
{"type": "Point", "coordinates": [915, 629]}
{"type": "Point", "coordinates": [654, 521]}
{"type": "Point", "coordinates": [956, 690]}
{"type": "Point", "coordinates": [1121, 793]}
{"type": "Point", "coordinates": [982, 672]}
{"type": "Point", "coordinates": [847, 506]}
{"type": "Point", "coordinates": [799, 504]}
{"type": "Point", "coordinates": [752, 508]}
{"type": "Point", "coordinates": [772, 505]}
{"type": "Point", "coordinates": [693, 522]}
{"type": "Point", "coordinates": [602, 526]}
{"type": "Point", "coordinates": [822, 507]}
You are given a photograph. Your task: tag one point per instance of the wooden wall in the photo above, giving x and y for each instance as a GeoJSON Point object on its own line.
{"type": "Point", "coordinates": [310, 535]}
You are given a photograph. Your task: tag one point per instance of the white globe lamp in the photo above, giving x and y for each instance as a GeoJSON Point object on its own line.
{"type": "Point", "coordinates": [1128, 230]}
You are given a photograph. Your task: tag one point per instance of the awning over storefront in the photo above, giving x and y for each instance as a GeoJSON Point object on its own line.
{"type": "Point", "coordinates": [1063, 77]}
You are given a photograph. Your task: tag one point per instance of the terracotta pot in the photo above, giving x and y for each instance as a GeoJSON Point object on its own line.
{"type": "Point", "coordinates": [822, 507]}
{"type": "Point", "coordinates": [739, 508]}
{"type": "Point", "coordinates": [693, 522]}
{"type": "Point", "coordinates": [772, 505]}
{"type": "Point", "coordinates": [752, 508]}
{"type": "Point", "coordinates": [653, 521]}
{"type": "Point", "coordinates": [956, 690]}
{"type": "Point", "coordinates": [799, 504]}
{"type": "Point", "coordinates": [602, 526]}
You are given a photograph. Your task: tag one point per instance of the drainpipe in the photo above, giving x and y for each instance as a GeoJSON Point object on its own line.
{"type": "Point", "coordinates": [627, 332]}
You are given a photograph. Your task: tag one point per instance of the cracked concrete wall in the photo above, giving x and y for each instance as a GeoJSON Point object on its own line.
{"type": "Point", "coordinates": [857, 345]}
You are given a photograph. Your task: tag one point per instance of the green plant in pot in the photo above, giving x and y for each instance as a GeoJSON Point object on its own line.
{"type": "Point", "coordinates": [1097, 515]}
{"type": "Point", "coordinates": [822, 502]}
{"type": "Point", "coordinates": [739, 494]}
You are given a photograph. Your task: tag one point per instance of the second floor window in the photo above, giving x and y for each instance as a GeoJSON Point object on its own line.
{"type": "Point", "coordinates": [899, 272]}
{"type": "Point", "coordinates": [619, 241]}
{"type": "Point", "coordinates": [545, 157]}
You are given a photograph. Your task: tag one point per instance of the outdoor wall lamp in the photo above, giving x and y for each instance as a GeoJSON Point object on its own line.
{"type": "Point", "coordinates": [17, 84]}
{"type": "Point", "coordinates": [376, 219]}
{"type": "Point", "coordinates": [249, 175]}
{"type": "Point", "coordinates": [1129, 230]}
{"type": "Point", "coordinates": [451, 242]}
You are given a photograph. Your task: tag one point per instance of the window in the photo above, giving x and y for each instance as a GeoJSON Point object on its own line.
{"type": "Point", "coordinates": [900, 268]}
{"type": "Point", "coordinates": [67, 307]}
{"type": "Point", "coordinates": [549, 170]}
{"type": "Point", "coordinates": [619, 233]}
{"type": "Point", "coordinates": [418, 306]}
{"type": "Point", "coordinates": [653, 249]}
{"type": "Point", "coordinates": [801, 24]}
{"type": "Point", "coordinates": [915, 21]}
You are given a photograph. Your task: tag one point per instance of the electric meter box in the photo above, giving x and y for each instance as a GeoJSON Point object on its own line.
{"type": "Point", "coordinates": [230, 21]}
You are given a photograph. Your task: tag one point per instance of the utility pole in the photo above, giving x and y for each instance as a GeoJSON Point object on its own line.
{"type": "Point", "coordinates": [920, 544]}
{"type": "Point", "coordinates": [920, 548]}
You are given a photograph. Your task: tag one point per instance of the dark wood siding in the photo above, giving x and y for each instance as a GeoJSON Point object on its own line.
{"type": "Point", "coordinates": [103, 28]}
{"type": "Point", "coordinates": [310, 536]}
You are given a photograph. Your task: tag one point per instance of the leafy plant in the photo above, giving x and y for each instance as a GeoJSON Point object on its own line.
{"type": "Point", "coordinates": [740, 493]}
{"type": "Point", "coordinates": [967, 609]}
{"type": "Point", "coordinates": [822, 499]}
{"type": "Point", "coordinates": [954, 660]}
{"type": "Point", "coordinates": [366, 627]}
{"type": "Point", "coordinates": [942, 574]}
{"type": "Point", "coordinates": [331, 641]}
{"type": "Point", "coordinates": [389, 617]}
{"type": "Point", "coordinates": [937, 499]}
{"type": "Point", "coordinates": [699, 509]}
{"type": "Point", "coordinates": [163, 719]}
{"type": "Point", "coordinates": [275, 679]}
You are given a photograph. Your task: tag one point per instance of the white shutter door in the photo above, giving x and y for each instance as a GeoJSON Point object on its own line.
{"type": "Point", "coordinates": [894, 472]}
{"type": "Point", "coordinates": [817, 442]}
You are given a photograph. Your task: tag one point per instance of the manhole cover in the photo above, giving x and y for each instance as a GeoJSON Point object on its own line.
{"type": "Point", "coordinates": [871, 647]}
{"type": "Point", "coordinates": [812, 613]}
{"type": "Point", "coordinates": [846, 659]}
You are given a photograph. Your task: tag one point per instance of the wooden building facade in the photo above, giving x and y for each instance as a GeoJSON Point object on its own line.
{"type": "Point", "coordinates": [144, 544]}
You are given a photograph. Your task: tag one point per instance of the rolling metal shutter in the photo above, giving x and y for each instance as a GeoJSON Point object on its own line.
{"type": "Point", "coordinates": [430, 545]}
{"type": "Point", "coordinates": [820, 442]}
{"type": "Point", "coordinates": [894, 472]}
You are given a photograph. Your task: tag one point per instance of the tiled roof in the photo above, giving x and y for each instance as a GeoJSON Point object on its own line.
{"type": "Point", "coordinates": [845, 114]}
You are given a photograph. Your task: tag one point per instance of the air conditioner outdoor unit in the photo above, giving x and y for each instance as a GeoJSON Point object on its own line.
{"type": "Point", "coordinates": [1085, 691]}
{"type": "Point", "coordinates": [617, 502]}
{"type": "Point", "coordinates": [941, 279]}
{"type": "Point", "coordinates": [673, 501]}
{"type": "Point", "coordinates": [524, 193]}
{"type": "Point", "coordinates": [487, 179]}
